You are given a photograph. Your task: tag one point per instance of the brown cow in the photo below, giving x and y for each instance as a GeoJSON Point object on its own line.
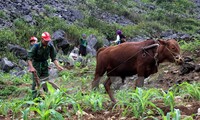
{"type": "Point", "coordinates": [131, 58]}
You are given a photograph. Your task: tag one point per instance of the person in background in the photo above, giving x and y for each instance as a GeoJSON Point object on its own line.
{"type": "Point", "coordinates": [83, 45]}
{"type": "Point", "coordinates": [37, 60]}
{"type": "Point", "coordinates": [33, 40]}
{"type": "Point", "coordinates": [120, 38]}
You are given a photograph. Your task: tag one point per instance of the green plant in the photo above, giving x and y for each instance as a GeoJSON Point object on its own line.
{"type": "Point", "coordinates": [94, 100]}
{"type": "Point", "coordinates": [173, 115]}
{"type": "Point", "coordinates": [6, 35]}
{"type": "Point", "coordinates": [108, 5]}
{"type": "Point", "coordinates": [2, 14]}
{"type": "Point", "coordinates": [192, 89]}
{"type": "Point", "coordinates": [189, 46]}
{"type": "Point", "coordinates": [49, 9]}
{"type": "Point", "coordinates": [139, 101]}
{"type": "Point", "coordinates": [46, 108]}
{"type": "Point", "coordinates": [169, 99]}
{"type": "Point", "coordinates": [5, 107]}
{"type": "Point", "coordinates": [15, 108]}
{"type": "Point", "coordinates": [176, 6]}
{"type": "Point", "coordinates": [6, 91]}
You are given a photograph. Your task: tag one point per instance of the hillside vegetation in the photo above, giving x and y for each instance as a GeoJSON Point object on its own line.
{"type": "Point", "coordinates": [102, 18]}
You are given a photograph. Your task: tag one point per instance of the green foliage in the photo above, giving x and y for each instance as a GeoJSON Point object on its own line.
{"type": "Point", "coordinates": [189, 89]}
{"type": "Point", "coordinates": [75, 32]}
{"type": "Point", "coordinates": [46, 107]}
{"type": "Point", "coordinates": [11, 107]}
{"type": "Point", "coordinates": [189, 25]}
{"type": "Point", "coordinates": [50, 24]}
{"type": "Point", "coordinates": [94, 100]}
{"type": "Point", "coordinates": [135, 17]}
{"type": "Point", "coordinates": [174, 115]}
{"type": "Point", "coordinates": [6, 36]}
{"type": "Point", "coordinates": [169, 99]}
{"type": "Point", "coordinates": [9, 85]}
{"type": "Point", "coordinates": [22, 31]}
{"type": "Point", "coordinates": [177, 6]}
{"type": "Point", "coordinates": [139, 101]}
{"type": "Point", "coordinates": [8, 90]}
{"type": "Point", "coordinates": [190, 46]}
{"type": "Point", "coordinates": [3, 14]}
{"type": "Point", "coordinates": [5, 107]}
{"type": "Point", "coordinates": [116, 7]}
{"type": "Point", "coordinates": [49, 9]}
{"type": "Point", "coordinates": [106, 29]}
{"type": "Point", "coordinates": [10, 56]}
{"type": "Point", "coordinates": [156, 15]}
{"type": "Point", "coordinates": [158, 19]}
{"type": "Point", "coordinates": [175, 17]}
{"type": "Point", "coordinates": [105, 5]}
{"type": "Point", "coordinates": [152, 29]}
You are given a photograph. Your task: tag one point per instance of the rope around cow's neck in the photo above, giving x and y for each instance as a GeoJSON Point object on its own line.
{"type": "Point", "coordinates": [143, 49]}
{"type": "Point", "coordinates": [124, 62]}
{"type": "Point", "coordinates": [171, 52]}
{"type": "Point", "coordinates": [156, 54]}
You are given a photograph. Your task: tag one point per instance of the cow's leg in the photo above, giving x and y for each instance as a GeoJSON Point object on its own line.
{"type": "Point", "coordinates": [95, 82]}
{"type": "Point", "coordinates": [107, 85]}
{"type": "Point", "coordinates": [99, 72]}
{"type": "Point", "coordinates": [139, 82]}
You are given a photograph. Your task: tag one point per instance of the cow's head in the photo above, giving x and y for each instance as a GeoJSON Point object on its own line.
{"type": "Point", "coordinates": [169, 50]}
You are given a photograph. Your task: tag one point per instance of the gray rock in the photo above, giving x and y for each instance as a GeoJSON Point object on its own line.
{"type": "Point", "coordinates": [187, 68]}
{"type": "Point", "coordinates": [18, 51]}
{"type": "Point", "coordinates": [197, 68]}
{"type": "Point", "coordinates": [6, 65]}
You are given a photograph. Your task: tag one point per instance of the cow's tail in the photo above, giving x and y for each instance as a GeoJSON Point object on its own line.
{"type": "Point", "coordinates": [95, 82]}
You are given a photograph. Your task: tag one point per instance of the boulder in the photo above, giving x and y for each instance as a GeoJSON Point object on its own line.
{"type": "Point", "coordinates": [6, 65]}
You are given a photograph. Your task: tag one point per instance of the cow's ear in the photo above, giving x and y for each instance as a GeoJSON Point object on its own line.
{"type": "Point", "coordinates": [162, 42]}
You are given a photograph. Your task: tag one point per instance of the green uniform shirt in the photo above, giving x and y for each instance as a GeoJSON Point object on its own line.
{"type": "Point", "coordinates": [83, 42]}
{"type": "Point", "coordinates": [39, 55]}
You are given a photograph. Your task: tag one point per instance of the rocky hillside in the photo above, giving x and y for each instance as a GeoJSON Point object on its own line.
{"type": "Point", "coordinates": [72, 10]}
{"type": "Point", "coordinates": [139, 19]}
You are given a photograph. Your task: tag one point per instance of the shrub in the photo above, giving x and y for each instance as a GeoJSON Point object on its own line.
{"type": "Point", "coordinates": [3, 14]}
{"type": "Point", "coordinates": [190, 46]}
{"type": "Point", "coordinates": [151, 29]}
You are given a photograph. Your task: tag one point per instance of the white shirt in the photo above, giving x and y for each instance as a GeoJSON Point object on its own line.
{"type": "Point", "coordinates": [117, 40]}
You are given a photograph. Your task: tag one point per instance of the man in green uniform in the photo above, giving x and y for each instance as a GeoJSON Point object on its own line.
{"type": "Point", "coordinates": [83, 45]}
{"type": "Point", "coordinates": [33, 41]}
{"type": "Point", "coordinates": [38, 56]}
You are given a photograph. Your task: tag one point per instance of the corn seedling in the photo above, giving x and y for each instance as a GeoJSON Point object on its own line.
{"type": "Point", "coordinates": [169, 99]}
{"type": "Point", "coordinates": [46, 108]}
{"type": "Point", "coordinates": [138, 102]}
{"type": "Point", "coordinates": [192, 89]}
{"type": "Point", "coordinates": [94, 100]}
{"type": "Point", "coordinates": [77, 65]}
{"type": "Point", "coordinates": [173, 115]}
{"type": "Point", "coordinates": [16, 107]}
{"type": "Point", "coordinates": [5, 107]}
{"type": "Point", "coordinates": [66, 75]}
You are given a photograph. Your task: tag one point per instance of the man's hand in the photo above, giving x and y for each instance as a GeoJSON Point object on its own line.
{"type": "Point", "coordinates": [32, 69]}
{"type": "Point", "coordinates": [57, 65]}
{"type": "Point", "coordinates": [112, 42]}
{"type": "Point", "coordinates": [30, 66]}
